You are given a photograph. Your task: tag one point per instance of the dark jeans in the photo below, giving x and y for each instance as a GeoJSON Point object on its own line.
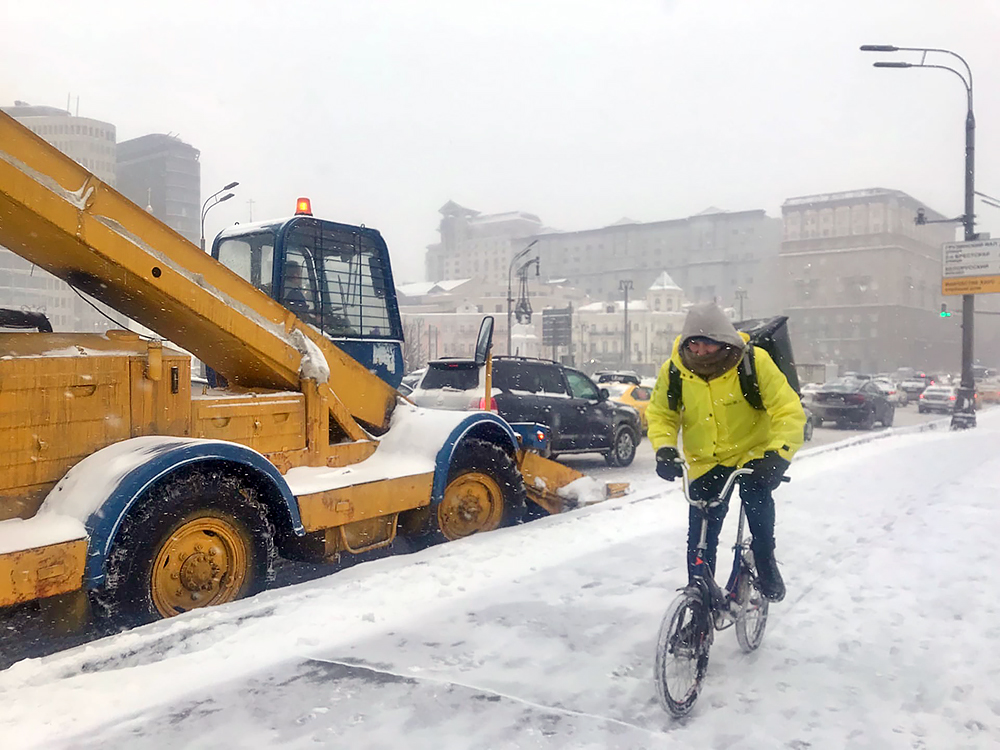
{"type": "Point", "coordinates": [759, 509]}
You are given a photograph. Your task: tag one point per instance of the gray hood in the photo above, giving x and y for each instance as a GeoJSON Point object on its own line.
{"type": "Point", "coordinates": [707, 319]}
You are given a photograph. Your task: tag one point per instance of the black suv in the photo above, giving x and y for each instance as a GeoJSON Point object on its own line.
{"type": "Point", "coordinates": [576, 411]}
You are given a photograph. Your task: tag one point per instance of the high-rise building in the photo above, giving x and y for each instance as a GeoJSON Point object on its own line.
{"type": "Point", "coordinates": [163, 172]}
{"type": "Point", "coordinates": [90, 142]}
{"type": "Point", "coordinates": [862, 282]}
{"type": "Point", "coordinates": [477, 245]}
{"type": "Point", "coordinates": [24, 286]}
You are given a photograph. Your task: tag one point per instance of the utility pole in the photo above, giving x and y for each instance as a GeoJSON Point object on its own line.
{"type": "Point", "coordinates": [741, 295]}
{"type": "Point", "coordinates": [964, 414]}
{"type": "Point", "coordinates": [625, 285]}
{"type": "Point", "coordinates": [250, 202]}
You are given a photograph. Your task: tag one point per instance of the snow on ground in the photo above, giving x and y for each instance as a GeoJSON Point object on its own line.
{"type": "Point", "coordinates": [542, 636]}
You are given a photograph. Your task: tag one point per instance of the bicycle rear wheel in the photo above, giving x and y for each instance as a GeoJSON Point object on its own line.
{"type": "Point", "coordinates": [752, 617]}
{"type": "Point", "coordinates": [682, 653]}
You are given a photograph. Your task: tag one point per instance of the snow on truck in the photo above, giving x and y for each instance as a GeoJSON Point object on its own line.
{"type": "Point", "coordinates": [121, 482]}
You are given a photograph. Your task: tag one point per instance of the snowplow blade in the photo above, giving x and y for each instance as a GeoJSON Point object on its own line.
{"type": "Point", "coordinates": [558, 488]}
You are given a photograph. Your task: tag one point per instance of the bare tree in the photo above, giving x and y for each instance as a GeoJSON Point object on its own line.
{"type": "Point", "coordinates": [414, 349]}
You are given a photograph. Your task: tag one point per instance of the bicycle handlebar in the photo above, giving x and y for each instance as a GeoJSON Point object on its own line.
{"type": "Point", "coordinates": [726, 488]}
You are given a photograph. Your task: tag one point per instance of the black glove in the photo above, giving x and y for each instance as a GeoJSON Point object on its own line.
{"type": "Point", "coordinates": [769, 470]}
{"type": "Point", "coordinates": [668, 464]}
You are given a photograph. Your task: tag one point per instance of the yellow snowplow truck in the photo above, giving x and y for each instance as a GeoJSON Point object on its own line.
{"type": "Point", "coordinates": [120, 479]}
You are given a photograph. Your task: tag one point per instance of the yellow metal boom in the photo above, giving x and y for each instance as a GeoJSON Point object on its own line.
{"type": "Point", "coordinates": [57, 215]}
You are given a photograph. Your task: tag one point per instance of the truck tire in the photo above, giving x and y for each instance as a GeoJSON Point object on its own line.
{"type": "Point", "coordinates": [195, 540]}
{"type": "Point", "coordinates": [485, 491]}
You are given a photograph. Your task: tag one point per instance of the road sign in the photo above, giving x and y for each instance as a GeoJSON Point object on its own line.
{"type": "Point", "coordinates": [971, 267]}
{"type": "Point", "coordinates": [557, 327]}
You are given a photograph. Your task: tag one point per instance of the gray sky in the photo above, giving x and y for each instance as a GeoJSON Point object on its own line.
{"type": "Point", "coordinates": [582, 111]}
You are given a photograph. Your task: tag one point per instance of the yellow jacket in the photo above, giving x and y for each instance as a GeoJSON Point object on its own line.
{"type": "Point", "coordinates": [718, 425]}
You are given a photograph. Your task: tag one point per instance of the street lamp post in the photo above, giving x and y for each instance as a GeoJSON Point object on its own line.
{"type": "Point", "coordinates": [741, 296]}
{"type": "Point", "coordinates": [625, 285]}
{"type": "Point", "coordinates": [205, 207]}
{"type": "Point", "coordinates": [964, 415]}
{"type": "Point", "coordinates": [510, 290]}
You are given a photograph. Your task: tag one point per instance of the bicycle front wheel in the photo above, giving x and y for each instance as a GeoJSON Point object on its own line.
{"type": "Point", "coordinates": [682, 653]}
{"type": "Point", "coordinates": [752, 617]}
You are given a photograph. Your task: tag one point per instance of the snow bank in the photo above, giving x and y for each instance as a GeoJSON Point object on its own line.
{"type": "Point", "coordinates": [582, 491]}
{"type": "Point", "coordinates": [18, 534]}
{"type": "Point", "coordinates": [542, 636]}
{"type": "Point", "coordinates": [410, 447]}
{"type": "Point", "coordinates": [313, 365]}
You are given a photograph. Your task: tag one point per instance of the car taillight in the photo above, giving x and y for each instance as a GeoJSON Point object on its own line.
{"type": "Point", "coordinates": [921, 395]}
{"type": "Point", "coordinates": [854, 398]}
{"type": "Point", "coordinates": [493, 404]}
{"type": "Point", "coordinates": [952, 398]}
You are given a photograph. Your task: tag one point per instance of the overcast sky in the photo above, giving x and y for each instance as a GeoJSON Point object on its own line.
{"type": "Point", "coordinates": [581, 111]}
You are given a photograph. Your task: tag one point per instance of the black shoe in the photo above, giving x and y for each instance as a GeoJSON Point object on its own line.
{"type": "Point", "coordinates": [769, 578]}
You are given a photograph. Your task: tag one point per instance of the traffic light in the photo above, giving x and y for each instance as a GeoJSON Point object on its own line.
{"type": "Point", "coordinates": [944, 311]}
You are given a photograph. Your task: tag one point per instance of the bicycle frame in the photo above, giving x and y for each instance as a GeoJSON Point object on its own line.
{"type": "Point", "coordinates": [720, 600]}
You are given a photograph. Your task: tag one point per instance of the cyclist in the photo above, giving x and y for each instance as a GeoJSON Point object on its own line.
{"type": "Point", "coordinates": [721, 431]}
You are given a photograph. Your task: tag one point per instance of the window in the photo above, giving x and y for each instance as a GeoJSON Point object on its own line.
{"type": "Point", "coordinates": [581, 386]}
{"type": "Point", "coordinates": [352, 283]}
{"type": "Point", "coordinates": [641, 394]}
{"type": "Point", "coordinates": [250, 256]}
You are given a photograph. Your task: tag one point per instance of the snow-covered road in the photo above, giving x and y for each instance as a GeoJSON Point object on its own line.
{"type": "Point", "coordinates": [542, 636]}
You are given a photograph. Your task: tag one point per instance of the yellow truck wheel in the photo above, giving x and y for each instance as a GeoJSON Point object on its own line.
{"type": "Point", "coordinates": [485, 491]}
{"type": "Point", "coordinates": [196, 540]}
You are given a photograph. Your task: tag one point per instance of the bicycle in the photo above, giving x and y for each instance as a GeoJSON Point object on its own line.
{"type": "Point", "coordinates": [688, 628]}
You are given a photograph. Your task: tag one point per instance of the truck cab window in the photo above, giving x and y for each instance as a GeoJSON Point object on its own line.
{"type": "Point", "coordinates": [351, 279]}
{"type": "Point", "coordinates": [252, 257]}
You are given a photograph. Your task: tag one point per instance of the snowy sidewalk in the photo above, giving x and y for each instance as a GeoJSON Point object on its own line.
{"type": "Point", "coordinates": [542, 636]}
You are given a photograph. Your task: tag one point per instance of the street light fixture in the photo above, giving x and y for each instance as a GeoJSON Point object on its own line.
{"type": "Point", "coordinates": [510, 291]}
{"type": "Point", "coordinates": [964, 415]}
{"type": "Point", "coordinates": [205, 207]}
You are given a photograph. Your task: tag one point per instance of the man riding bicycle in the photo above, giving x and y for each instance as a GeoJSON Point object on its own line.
{"type": "Point", "coordinates": [722, 431]}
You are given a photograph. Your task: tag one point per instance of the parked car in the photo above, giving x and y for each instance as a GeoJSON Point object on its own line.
{"type": "Point", "coordinates": [851, 401]}
{"type": "Point", "coordinates": [616, 376]}
{"type": "Point", "coordinates": [636, 396]}
{"type": "Point", "coordinates": [580, 416]}
{"type": "Point", "coordinates": [809, 390]}
{"type": "Point", "coordinates": [915, 385]}
{"type": "Point", "coordinates": [989, 391]}
{"type": "Point", "coordinates": [895, 394]}
{"type": "Point", "coordinates": [412, 378]}
{"type": "Point", "coordinates": [939, 398]}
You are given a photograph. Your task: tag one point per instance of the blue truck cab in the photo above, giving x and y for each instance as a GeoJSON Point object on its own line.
{"type": "Point", "coordinates": [335, 277]}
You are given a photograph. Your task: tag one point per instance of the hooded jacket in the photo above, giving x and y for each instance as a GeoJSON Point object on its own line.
{"type": "Point", "coordinates": [718, 424]}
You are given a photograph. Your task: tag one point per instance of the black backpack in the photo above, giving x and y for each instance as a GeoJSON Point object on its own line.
{"type": "Point", "coordinates": [769, 334]}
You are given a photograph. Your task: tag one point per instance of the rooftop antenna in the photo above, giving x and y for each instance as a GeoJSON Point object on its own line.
{"type": "Point", "coordinates": [78, 105]}
{"type": "Point", "coordinates": [68, 94]}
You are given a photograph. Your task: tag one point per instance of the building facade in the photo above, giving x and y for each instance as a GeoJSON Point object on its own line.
{"type": "Point", "coordinates": [478, 245]}
{"type": "Point", "coordinates": [163, 172]}
{"type": "Point", "coordinates": [726, 256]}
{"type": "Point", "coordinates": [655, 319]}
{"type": "Point", "coordinates": [24, 286]}
{"type": "Point", "coordinates": [89, 142]}
{"type": "Point", "coordinates": [441, 319]}
{"type": "Point", "coordinates": [862, 282]}
{"type": "Point", "coordinates": [719, 256]}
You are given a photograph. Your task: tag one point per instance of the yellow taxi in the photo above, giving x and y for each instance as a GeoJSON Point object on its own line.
{"type": "Point", "coordinates": [636, 396]}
